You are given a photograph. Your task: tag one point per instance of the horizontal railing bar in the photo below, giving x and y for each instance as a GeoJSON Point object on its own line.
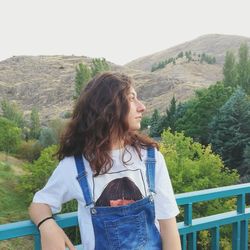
{"type": "Point", "coordinates": [212, 193]}
{"type": "Point", "coordinates": [211, 221]}
{"type": "Point", "coordinates": [24, 228]}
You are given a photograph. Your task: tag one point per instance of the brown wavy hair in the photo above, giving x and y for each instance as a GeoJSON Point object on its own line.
{"type": "Point", "coordinates": [100, 114]}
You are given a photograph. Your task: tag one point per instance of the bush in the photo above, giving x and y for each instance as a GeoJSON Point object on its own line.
{"type": "Point", "coordinates": [29, 150]}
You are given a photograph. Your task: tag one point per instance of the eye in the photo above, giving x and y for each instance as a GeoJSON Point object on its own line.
{"type": "Point", "coordinates": [131, 98]}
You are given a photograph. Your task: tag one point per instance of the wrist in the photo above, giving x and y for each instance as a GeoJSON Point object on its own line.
{"type": "Point", "coordinates": [43, 221]}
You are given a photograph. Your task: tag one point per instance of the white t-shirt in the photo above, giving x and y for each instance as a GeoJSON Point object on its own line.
{"type": "Point", "coordinates": [63, 186]}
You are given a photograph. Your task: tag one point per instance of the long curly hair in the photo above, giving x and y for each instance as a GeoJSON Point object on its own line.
{"type": "Point", "coordinates": [100, 114]}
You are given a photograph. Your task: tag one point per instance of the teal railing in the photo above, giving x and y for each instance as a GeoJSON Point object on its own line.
{"type": "Point", "coordinates": [188, 229]}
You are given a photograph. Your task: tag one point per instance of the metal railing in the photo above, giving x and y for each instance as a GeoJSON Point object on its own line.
{"type": "Point", "coordinates": [188, 228]}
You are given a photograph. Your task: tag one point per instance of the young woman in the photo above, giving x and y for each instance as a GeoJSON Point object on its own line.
{"type": "Point", "coordinates": [118, 176]}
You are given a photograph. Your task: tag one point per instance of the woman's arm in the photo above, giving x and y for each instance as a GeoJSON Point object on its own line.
{"type": "Point", "coordinates": [169, 234]}
{"type": "Point", "coordinates": [52, 236]}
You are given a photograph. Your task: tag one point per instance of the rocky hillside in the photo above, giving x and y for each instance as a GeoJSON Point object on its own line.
{"type": "Point", "coordinates": [213, 45]}
{"type": "Point", "coordinates": [47, 82]}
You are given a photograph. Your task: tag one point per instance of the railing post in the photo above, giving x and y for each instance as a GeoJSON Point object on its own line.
{"type": "Point", "coordinates": [215, 233]}
{"type": "Point", "coordinates": [241, 205]}
{"type": "Point", "coordinates": [191, 238]}
{"type": "Point", "coordinates": [236, 236]}
{"type": "Point", "coordinates": [37, 241]}
{"type": "Point", "coordinates": [184, 242]}
{"type": "Point", "coordinates": [244, 235]}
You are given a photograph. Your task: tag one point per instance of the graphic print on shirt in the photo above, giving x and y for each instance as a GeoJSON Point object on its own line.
{"type": "Point", "coordinates": [119, 188]}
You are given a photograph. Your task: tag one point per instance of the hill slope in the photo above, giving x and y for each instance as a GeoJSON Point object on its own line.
{"type": "Point", "coordinates": [47, 82]}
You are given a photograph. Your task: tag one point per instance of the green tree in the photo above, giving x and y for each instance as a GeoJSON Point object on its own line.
{"type": "Point", "coordinates": [10, 136]}
{"type": "Point", "coordinates": [155, 123]}
{"type": "Point", "coordinates": [145, 122]}
{"type": "Point", "coordinates": [200, 110]}
{"type": "Point", "coordinates": [169, 120]}
{"type": "Point", "coordinates": [243, 68]}
{"type": "Point", "coordinates": [12, 112]}
{"type": "Point", "coordinates": [229, 70]}
{"type": "Point", "coordinates": [230, 130]}
{"type": "Point", "coordinates": [47, 137]}
{"type": "Point", "coordinates": [99, 65]}
{"type": "Point", "coordinates": [195, 167]}
{"type": "Point", "coordinates": [35, 126]}
{"type": "Point", "coordinates": [245, 166]}
{"type": "Point", "coordinates": [83, 75]}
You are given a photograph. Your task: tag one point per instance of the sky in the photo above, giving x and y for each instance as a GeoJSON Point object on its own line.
{"type": "Point", "coordinates": [118, 30]}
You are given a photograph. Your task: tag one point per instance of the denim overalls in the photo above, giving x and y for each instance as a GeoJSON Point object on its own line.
{"type": "Point", "coordinates": [128, 227]}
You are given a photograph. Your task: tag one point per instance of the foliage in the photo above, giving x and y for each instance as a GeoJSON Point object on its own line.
{"type": "Point", "coordinates": [47, 137]}
{"type": "Point", "coordinates": [145, 122]}
{"type": "Point", "coordinates": [169, 120]}
{"type": "Point", "coordinates": [12, 112]}
{"type": "Point", "coordinates": [194, 167]}
{"type": "Point", "coordinates": [238, 73]}
{"type": "Point", "coordinates": [229, 70]}
{"type": "Point", "coordinates": [230, 130]}
{"type": "Point", "coordinates": [99, 65]}
{"type": "Point", "coordinates": [155, 122]}
{"type": "Point", "coordinates": [39, 172]}
{"type": "Point", "coordinates": [35, 127]}
{"type": "Point", "coordinates": [51, 135]}
{"type": "Point", "coordinates": [243, 68]}
{"type": "Point", "coordinates": [83, 75]}
{"type": "Point", "coordinates": [207, 58]}
{"type": "Point", "coordinates": [200, 110]}
{"type": "Point", "coordinates": [29, 150]}
{"type": "Point", "coordinates": [10, 136]}
{"type": "Point", "coordinates": [245, 166]}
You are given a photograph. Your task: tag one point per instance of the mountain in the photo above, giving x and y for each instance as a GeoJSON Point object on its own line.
{"type": "Point", "coordinates": [47, 82]}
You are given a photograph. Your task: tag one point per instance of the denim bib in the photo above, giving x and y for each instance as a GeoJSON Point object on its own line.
{"type": "Point", "coordinates": [128, 227]}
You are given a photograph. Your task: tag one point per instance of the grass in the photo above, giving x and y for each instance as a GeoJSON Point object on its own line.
{"type": "Point", "coordinates": [12, 206]}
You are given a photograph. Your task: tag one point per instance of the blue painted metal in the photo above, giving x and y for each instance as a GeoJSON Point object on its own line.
{"type": "Point", "coordinates": [215, 234]}
{"type": "Point", "coordinates": [188, 228]}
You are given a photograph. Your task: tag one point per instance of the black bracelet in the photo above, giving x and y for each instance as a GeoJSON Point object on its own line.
{"type": "Point", "coordinates": [41, 222]}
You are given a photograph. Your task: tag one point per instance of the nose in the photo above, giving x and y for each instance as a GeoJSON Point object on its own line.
{"type": "Point", "coordinates": [141, 107]}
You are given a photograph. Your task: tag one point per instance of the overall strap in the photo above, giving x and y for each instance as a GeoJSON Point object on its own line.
{"type": "Point", "coordinates": [82, 179]}
{"type": "Point", "coordinates": [150, 168]}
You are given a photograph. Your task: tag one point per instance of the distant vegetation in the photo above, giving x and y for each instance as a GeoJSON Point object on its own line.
{"type": "Point", "coordinates": [218, 116]}
{"type": "Point", "coordinates": [187, 56]}
{"type": "Point", "coordinates": [84, 73]}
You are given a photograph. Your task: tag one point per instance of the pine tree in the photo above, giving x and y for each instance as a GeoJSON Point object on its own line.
{"type": "Point", "coordinates": [169, 121]}
{"type": "Point", "coordinates": [230, 130]}
{"type": "Point", "coordinates": [229, 70]}
{"type": "Point", "coordinates": [155, 124]}
{"type": "Point", "coordinates": [245, 166]}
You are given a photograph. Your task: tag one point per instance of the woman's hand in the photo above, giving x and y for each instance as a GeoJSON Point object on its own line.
{"type": "Point", "coordinates": [53, 237]}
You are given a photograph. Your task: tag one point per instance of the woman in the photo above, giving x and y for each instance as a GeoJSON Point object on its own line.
{"type": "Point", "coordinates": [100, 153]}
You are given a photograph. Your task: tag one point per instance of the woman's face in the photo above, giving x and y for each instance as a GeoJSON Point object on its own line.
{"type": "Point", "coordinates": [136, 109]}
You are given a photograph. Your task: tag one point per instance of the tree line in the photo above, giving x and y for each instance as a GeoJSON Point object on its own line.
{"type": "Point", "coordinates": [188, 55]}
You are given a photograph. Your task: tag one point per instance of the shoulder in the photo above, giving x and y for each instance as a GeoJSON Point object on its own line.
{"type": "Point", "coordinates": [158, 155]}
{"type": "Point", "coordinates": [66, 167]}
